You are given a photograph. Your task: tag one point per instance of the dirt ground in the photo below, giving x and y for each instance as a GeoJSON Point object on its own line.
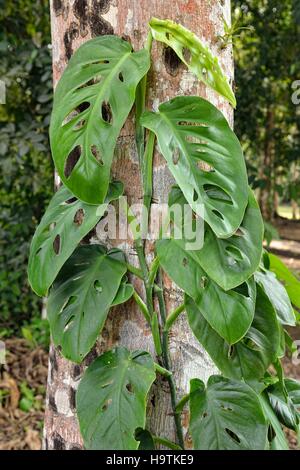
{"type": "Point", "coordinates": [23, 429]}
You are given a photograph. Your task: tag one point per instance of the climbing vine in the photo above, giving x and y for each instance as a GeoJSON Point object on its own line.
{"type": "Point", "coordinates": [236, 306]}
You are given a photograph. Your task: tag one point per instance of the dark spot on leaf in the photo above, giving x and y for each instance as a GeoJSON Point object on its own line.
{"type": "Point", "coordinates": [232, 435]}
{"type": "Point", "coordinates": [106, 112]}
{"type": "Point", "coordinates": [58, 442]}
{"type": "Point", "coordinates": [185, 262]}
{"type": "Point", "coordinates": [168, 36]}
{"type": "Point", "coordinates": [56, 244]}
{"type": "Point", "coordinates": [231, 351]}
{"type": "Point", "coordinates": [186, 54]}
{"type": "Point", "coordinates": [171, 61]}
{"type": "Point", "coordinates": [78, 217]}
{"type": "Point", "coordinates": [121, 78]}
{"type": "Point", "coordinates": [226, 408]}
{"type": "Point", "coordinates": [204, 414]}
{"type": "Point", "coordinates": [129, 387]}
{"type": "Point", "coordinates": [97, 286]}
{"type": "Point", "coordinates": [96, 154]}
{"type": "Point", "coordinates": [71, 160]}
{"type": "Point", "coordinates": [71, 33]}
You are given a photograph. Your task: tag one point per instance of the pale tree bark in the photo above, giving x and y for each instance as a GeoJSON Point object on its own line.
{"type": "Point", "coordinates": [73, 22]}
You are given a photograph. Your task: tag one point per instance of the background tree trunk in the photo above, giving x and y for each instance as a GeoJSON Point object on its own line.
{"type": "Point", "coordinates": [74, 22]}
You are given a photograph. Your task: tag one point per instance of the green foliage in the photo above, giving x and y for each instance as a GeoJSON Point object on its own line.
{"type": "Point", "coordinates": [111, 399]}
{"type": "Point", "coordinates": [26, 173]}
{"type": "Point", "coordinates": [87, 283]}
{"type": "Point", "coordinates": [91, 103]}
{"type": "Point", "coordinates": [188, 130]}
{"type": "Point", "coordinates": [226, 415]}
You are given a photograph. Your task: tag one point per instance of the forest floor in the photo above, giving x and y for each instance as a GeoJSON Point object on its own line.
{"type": "Point", "coordinates": [23, 379]}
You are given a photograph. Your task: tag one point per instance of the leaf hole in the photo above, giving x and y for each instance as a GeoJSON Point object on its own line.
{"type": "Point", "coordinates": [217, 194]}
{"type": "Point", "coordinates": [69, 322]}
{"type": "Point", "coordinates": [69, 302]}
{"type": "Point", "coordinates": [203, 282]}
{"type": "Point", "coordinates": [106, 404]}
{"type": "Point", "coordinates": [234, 252]}
{"type": "Point", "coordinates": [168, 36]}
{"type": "Point", "coordinates": [271, 433]}
{"type": "Point", "coordinates": [191, 123]}
{"type": "Point", "coordinates": [96, 153]}
{"type": "Point", "coordinates": [98, 286]}
{"type": "Point", "coordinates": [71, 200]}
{"type": "Point", "coordinates": [232, 435]}
{"type": "Point", "coordinates": [121, 77]}
{"type": "Point", "coordinates": [71, 160]}
{"type": "Point", "coordinates": [107, 384]}
{"type": "Point", "coordinates": [226, 408]}
{"type": "Point", "coordinates": [83, 106]}
{"type": "Point", "coordinates": [106, 112]}
{"type": "Point", "coordinates": [231, 351]}
{"type": "Point", "coordinates": [79, 125]}
{"type": "Point", "coordinates": [56, 244]}
{"type": "Point", "coordinates": [238, 233]}
{"type": "Point", "coordinates": [218, 214]}
{"type": "Point", "coordinates": [129, 387]}
{"type": "Point", "coordinates": [78, 217]}
{"type": "Point", "coordinates": [185, 262]}
{"type": "Point", "coordinates": [195, 196]}
{"type": "Point", "coordinates": [176, 155]}
{"type": "Point", "coordinates": [205, 414]}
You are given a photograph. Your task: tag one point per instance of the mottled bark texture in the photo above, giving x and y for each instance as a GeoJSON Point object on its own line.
{"type": "Point", "coordinates": [73, 22]}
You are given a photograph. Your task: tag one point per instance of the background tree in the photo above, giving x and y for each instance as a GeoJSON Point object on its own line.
{"type": "Point", "coordinates": [71, 25]}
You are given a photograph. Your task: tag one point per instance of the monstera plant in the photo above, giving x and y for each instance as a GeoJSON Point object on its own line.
{"type": "Point", "coordinates": [233, 297]}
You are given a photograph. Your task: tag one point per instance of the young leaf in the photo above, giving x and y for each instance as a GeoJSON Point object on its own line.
{"type": "Point", "coordinates": [230, 313]}
{"type": "Point", "coordinates": [277, 296]}
{"type": "Point", "coordinates": [66, 221]}
{"type": "Point", "coordinates": [190, 130]}
{"type": "Point", "coordinates": [290, 282]}
{"type": "Point", "coordinates": [236, 257]}
{"type": "Point", "coordinates": [124, 293]}
{"type": "Point", "coordinates": [111, 399]}
{"type": "Point", "coordinates": [276, 436]}
{"type": "Point", "coordinates": [226, 415]}
{"type": "Point", "coordinates": [240, 361]}
{"type": "Point", "coordinates": [194, 54]}
{"type": "Point", "coordinates": [81, 296]}
{"type": "Point", "coordinates": [91, 103]}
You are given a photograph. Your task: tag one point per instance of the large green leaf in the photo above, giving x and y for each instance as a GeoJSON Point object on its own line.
{"type": "Point", "coordinates": [190, 130]}
{"type": "Point", "coordinates": [194, 54]}
{"type": "Point", "coordinates": [81, 296]}
{"type": "Point", "coordinates": [111, 399]}
{"type": "Point", "coordinates": [290, 282]}
{"type": "Point", "coordinates": [230, 313]}
{"type": "Point", "coordinates": [277, 296]}
{"type": "Point", "coordinates": [276, 436]}
{"type": "Point", "coordinates": [242, 360]}
{"type": "Point", "coordinates": [283, 404]}
{"type": "Point", "coordinates": [66, 221]}
{"type": "Point", "coordinates": [226, 415]}
{"type": "Point", "coordinates": [91, 103]}
{"type": "Point", "coordinates": [229, 262]}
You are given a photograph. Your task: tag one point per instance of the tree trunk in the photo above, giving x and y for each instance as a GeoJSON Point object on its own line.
{"type": "Point", "coordinates": [266, 194]}
{"type": "Point", "coordinates": [73, 22]}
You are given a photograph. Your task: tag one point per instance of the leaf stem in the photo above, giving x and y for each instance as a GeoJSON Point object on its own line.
{"type": "Point", "coordinates": [136, 271]}
{"type": "Point", "coordinates": [165, 442]}
{"type": "Point", "coordinates": [161, 370]}
{"type": "Point", "coordinates": [172, 317]}
{"type": "Point", "coordinates": [167, 361]}
{"type": "Point", "coordinates": [142, 306]}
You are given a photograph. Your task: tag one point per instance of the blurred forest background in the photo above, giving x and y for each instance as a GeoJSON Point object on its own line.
{"type": "Point", "coordinates": [265, 36]}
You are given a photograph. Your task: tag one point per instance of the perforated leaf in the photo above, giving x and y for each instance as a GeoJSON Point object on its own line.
{"type": "Point", "coordinates": [81, 296]}
{"type": "Point", "coordinates": [194, 54]}
{"type": "Point", "coordinates": [277, 296]}
{"type": "Point", "coordinates": [289, 280]}
{"type": "Point", "coordinates": [285, 402]}
{"type": "Point", "coordinates": [230, 313]}
{"type": "Point", "coordinates": [111, 399]}
{"type": "Point", "coordinates": [190, 131]}
{"type": "Point", "coordinates": [91, 103]}
{"type": "Point", "coordinates": [249, 358]}
{"type": "Point", "coordinates": [226, 415]}
{"type": "Point", "coordinates": [66, 221]}
{"type": "Point", "coordinates": [229, 262]}
{"type": "Point", "coordinates": [276, 436]}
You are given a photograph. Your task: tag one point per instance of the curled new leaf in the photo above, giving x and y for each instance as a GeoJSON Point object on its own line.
{"type": "Point", "coordinates": [66, 221]}
{"type": "Point", "coordinates": [194, 54]}
{"type": "Point", "coordinates": [226, 415]}
{"type": "Point", "coordinates": [111, 399]}
{"type": "Point", "coordinates": [91, 103]}
{"type": "Point", "coordinates": [81, 296]}
{"type": "Point", "coordinates": [190, 132]}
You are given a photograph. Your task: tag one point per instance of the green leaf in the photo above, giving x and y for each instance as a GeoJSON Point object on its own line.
{"type": "Point", "coordinates": [290, 282]}
{"type": "Point", "coordinates": [230, 313]}
{"type": "Point", "coordinates": [124, 293]}
{"type": "Point", "coordinates": [276, 435]}
{"type": "Point", "coordinates": [111, 399]}
{"type": "Point", "coordinates": [81, 296]}
{"type": "Point", "coordinates": [277, 296]}
{"type": "Point", "coordinates": [249, 358]}
{"type": "Point", "coordinates": [226, 415]}
{"type": "Point", "coordinates": [194, 54]}
{"type": "Point", "coordinates": [91, 103]}
{"type": "Point", "coordinates": [190, 130]}
{"type": "Point", "coordinates": [237, 257]}
{"type": "Point", "coordinates": [283, 406]}
{"type": "Point", "coordinates": [145, 438]}
{"type": "Point", "coordinates": [66, 221]}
